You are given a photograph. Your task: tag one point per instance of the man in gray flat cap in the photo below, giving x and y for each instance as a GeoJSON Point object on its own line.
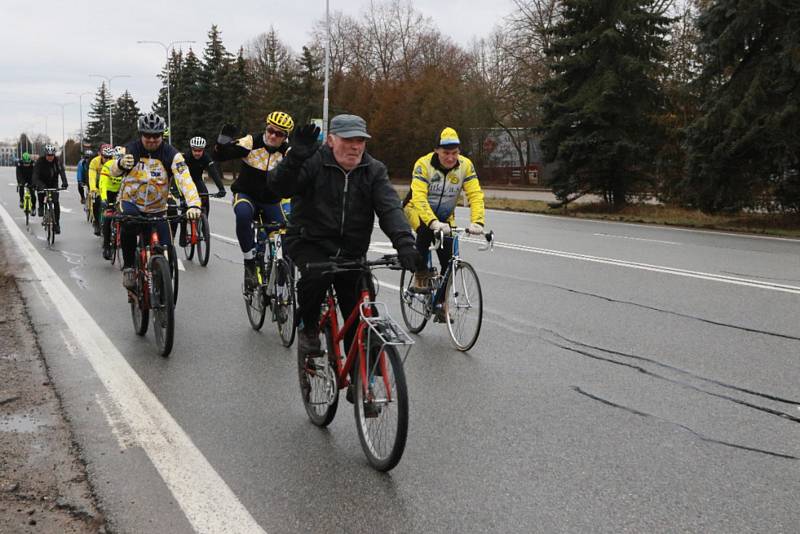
{"type": "Point", "coordinates": [336, 189]}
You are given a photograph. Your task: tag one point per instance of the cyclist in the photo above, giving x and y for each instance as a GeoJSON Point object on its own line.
{"type": "Point", "coordinates": [336, 191]}
{"type": "Point", "coordinates": [108, 186]}
{"type": "Point", "coordinates": [259, 153]}
{"type": "Point", "coordinates": [436, 185]}
{"type": "Point", "coordinates": [106, 152]}
{"type": "Point", "coordinates": [146, 168]}
{"type": "Point", "coordinates": [82, 173]}
{"type": "Point", "coordinates": [198, 161]}
{"type": "Point", "coordinates": [45, 175]}
{"type": "Point", "coordinates": [25, 179]}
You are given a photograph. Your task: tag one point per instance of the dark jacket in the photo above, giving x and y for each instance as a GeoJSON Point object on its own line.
{"type": "Point", "coordinates": [198, 165]}
{"type": "Point", "coordinates": [24, 172]}
{"type": "Point", "coordinates": [45, 174]}
{"type": "Point", "coordinates": [257, 158]}
{"type": "Point", "coordinates": [335, 209]}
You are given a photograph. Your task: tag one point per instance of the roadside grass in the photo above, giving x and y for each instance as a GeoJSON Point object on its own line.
{"type": "Point", "coordinates": [784, 225]}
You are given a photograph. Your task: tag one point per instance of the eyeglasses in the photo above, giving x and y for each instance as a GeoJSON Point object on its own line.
{"type": "Point", "coordinates": [151, 136]}
{"type": "Point", "coordinates": [276, 133]}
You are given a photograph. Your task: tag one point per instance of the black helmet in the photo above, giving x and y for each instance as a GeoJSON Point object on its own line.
{"type": "Point", "coordinates": [150, 123]}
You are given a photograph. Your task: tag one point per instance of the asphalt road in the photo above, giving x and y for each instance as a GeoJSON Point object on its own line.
{"type": "Point", "coordinates": [627, 378]}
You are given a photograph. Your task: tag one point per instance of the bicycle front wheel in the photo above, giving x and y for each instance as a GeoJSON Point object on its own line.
{"type": "Point", "coordinates": [284, 301]}
{"type": "Point", "coordinates": [140, 313]}
{"type": "Point", "coordinates": [464, 306]}
{"type": "Point", "coordinates": [163, 305]}
{"type": "Point", "coordinates": [173, 269]}
{"type": "Point", "coordinates": [413, 306]}
{"type": "Point", "coordinates": [50, 224]}
{"type": "Point", "coordinates": [203, 240]}
{"type": "Point", "coordinates": [381, 408]}
{"type": "Point", "coordinates": [255, 303]}
{"type": "Point", "coordinates": [319, 386]}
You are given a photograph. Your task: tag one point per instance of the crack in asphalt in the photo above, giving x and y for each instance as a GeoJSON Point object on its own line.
{"type": "Point", "coordinates": [681, 371]}
{"type": "Point", "coordinates": [770, 411]}
{"type": "Point", "coordinates": [695, 433]}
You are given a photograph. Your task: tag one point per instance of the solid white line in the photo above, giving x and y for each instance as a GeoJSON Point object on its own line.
{"type": "Point", "coordinates": [205, 498]}
{"type": "Point", "coordinates": [226, 239]}
{"type": "Point", "coordinates": [615, 236]}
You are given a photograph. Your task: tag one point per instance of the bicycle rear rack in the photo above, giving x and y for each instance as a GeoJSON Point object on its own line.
{"type": "Point", "coordinates": [385, 328]}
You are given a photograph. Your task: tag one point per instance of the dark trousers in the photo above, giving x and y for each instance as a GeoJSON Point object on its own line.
{"type": "Point", "coordinates": [81, 185]}
{"type": "Point", "coordinates": [424, 238]}
{"type": "Point", "coordinates": [129, 231]}
{"type": "Point", "coordinates": [112, 199]}
{"type": "Point", "coordinates": [56, 204]}
{"type": "Point", "coordinates": [313, 285]}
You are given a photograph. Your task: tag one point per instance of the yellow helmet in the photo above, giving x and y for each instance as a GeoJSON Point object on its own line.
{"type": "Point", "coordinates": [282, 121]}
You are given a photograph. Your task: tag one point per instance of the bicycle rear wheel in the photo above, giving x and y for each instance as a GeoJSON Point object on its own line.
{"type": "Point", "coordinates": [381, 408]}
{"type": "Point", "coordinates": [284, 304]}
{"type": "Point", "coordinates": [163, 305]}
{"type": "Point", "coordinates": [203, 240]}
{"type": "Point", "coordinates": [413, 306]}
{"type": "Point", "coordinates": [140, 313]}
{"type": "Point", "coordinates": [319, 386]}
{"type": "Point", "coordinates": [464, 306]}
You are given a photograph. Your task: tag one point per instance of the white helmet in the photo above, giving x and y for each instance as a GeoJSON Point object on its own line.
{"type": "Point", "coordinates": [197, 142]}
{"type": "Point", "coordinates": [119, 151]}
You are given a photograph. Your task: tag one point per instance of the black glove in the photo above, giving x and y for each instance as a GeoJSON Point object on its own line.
{"type": "Point", "coordinates": [227, 134]}
{"type": "Point", "coordinates": [303, 142]}
{"type": "Point", "coordinates": [64, 185]}
{"type": "Point", "coordinates": [220, 193]}
{"type": "Point", "coordinates": [409, 258]}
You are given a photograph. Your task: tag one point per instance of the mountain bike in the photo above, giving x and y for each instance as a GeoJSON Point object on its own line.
{"type": "Point", "coordinates": [275, 289]}
{"type": "Point", "coordinates": [198, 234]}
{"type": "Point", "coordinates": [153, 292]}
{"type": "Point", "coordinates": [49, 214]}
{"type": "Point", "coordinates": [378, 392]}
{"type": "Point", "coordinates": [27, 203]}
{"type": "Point", "coordinates": [453, 297]}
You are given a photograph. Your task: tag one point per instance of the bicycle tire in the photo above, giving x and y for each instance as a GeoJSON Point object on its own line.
{"type": "Point", "coordinates": [284, 302]}
{"type": "Point", "coordinates": [173, 269]}
{"type": "Point", "coordinates": [140, 313]}
{"type": "Point", "coordinates": [322, 398]}
{"type": "Point", "coordinates": [203, 240]}
{"type": "Point", "coordinates": [463, 297]}
{"type": "Point", "coordinates": [50, 226]}
{"type": "Point", "coordinates": [188, 250]}
{"type": "Point", "coordinates": [414, 307]}
{"type": "Point", "coordinates": [382, 439]}
{"type": "Point", "coordinates": [255, 304]}
{"type": "Point", "coordinates": [162, 305]}
{"type": "Point", "coordinates": [27, 219]}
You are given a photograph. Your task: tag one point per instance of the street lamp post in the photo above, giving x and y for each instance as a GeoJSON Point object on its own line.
{"type": "Point", "coordinates": [327, 69]}
{"type": "Point", "coordinates": [63, 137]}
{"type": "Point", "coordinates": [111, 101]}
{"type": "Point", "coordinates": [167, 48]}
{"type": "Point", "coordinates": [80, 104]}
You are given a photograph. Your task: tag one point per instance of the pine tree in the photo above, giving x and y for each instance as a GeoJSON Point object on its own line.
{"type": "Point", "coordinates": [308, 97]}
{"type": "Point", "coordinates": [211, 90]}
{"type": "Point", "coordinates": [126, 116]}
{"type": "Point", "coordinates": [599, 104]}
{"type": "Point", "coordinates": [171, 71]}
{"type": "Point", "coordinates": [745, 143]}
{"type": "Point", "coordinates": [187, 106]}
{"type": "Point", "coordinates": [97, 131]}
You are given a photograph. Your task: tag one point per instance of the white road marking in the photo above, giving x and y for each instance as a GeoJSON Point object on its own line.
{"type": "Point", "coordinates": [205, 498]}
{"type": "Point", "coordinates": [180, 265]}
{"type": "Point", "coordinates": [225, 239]}
{"type": "Point", "coordinates": [615, 236]}
{"type": "Point", "coordinates": [66, 210]}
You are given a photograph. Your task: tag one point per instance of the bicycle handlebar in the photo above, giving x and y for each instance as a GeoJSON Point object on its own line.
{"type": "Point", "coordinates": [149, 219]}
{"type": "Point", "coordinates": [340, 264]}
{"type": "Point", "coordinates": [489, 236]}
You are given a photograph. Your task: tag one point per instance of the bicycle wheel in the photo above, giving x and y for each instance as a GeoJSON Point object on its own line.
{"type": "Point", "coordinates": [50, 226]}
{"type": "Point", "coordinates": [284, 304]}
{"type": "Point", "coordinates": [188, 248]}
{"type": "Point", "coordinates": [319, 387]}
{"type": "Point", "coordinates": [173, 269]}
{"type": "Point", "coordinates": [27, 218]}
{"type": "Point", "coordinates": [203, 240]}
{"type": "Point", "coordinates": [140, 313]}
{"type": "Point", "coordinates": [255, 303]}
{"type": "Point", "coordinates": [162, 304]}
{"type": "Point", "coordinates": [413, 306]}
{"type": "Point", "coordinates": [464, 306]}
{"type": "Point", "coordinates": [381, 408]}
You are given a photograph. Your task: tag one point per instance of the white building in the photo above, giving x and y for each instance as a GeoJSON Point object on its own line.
{"type": "Point", "coordinates": [8, 153]}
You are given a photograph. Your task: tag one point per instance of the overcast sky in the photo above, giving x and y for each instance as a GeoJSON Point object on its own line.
{"type": "Point", "coordinates": [50, 47]}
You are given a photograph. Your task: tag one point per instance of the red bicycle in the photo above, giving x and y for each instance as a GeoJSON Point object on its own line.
{"type": "Point", "coordinates": [378, 389]}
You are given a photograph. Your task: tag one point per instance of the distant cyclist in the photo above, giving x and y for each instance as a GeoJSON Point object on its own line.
{"type": "Point", "coordinates": [259, 152]}
{"type": "Point", "coordinates": [436, 185]}
{"type": "Point", "coordinates": [25, 179]}
{"type": "Point", "coordinates": [45, 175]}
{"type": "Point", "coordinates": [106, 152]}
{"type": "Point", "coordinates": [108, 187]}
{"type": "Point", "coordinates": [82, 173]}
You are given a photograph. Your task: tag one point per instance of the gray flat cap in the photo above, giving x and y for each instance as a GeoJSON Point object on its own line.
{"type": "Point", "coordinates": [349, 126]}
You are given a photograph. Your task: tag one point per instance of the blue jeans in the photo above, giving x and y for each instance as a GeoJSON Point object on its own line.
{"type": "Point", "coordinates": [246, 209]}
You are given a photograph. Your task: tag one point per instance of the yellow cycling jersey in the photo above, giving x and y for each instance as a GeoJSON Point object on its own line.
{"type": "Point", "coordinates": [147, 184]}
{"type": "Point", "coordinates": [435, 192]}
{"type": "Point", "coordinates": [108, 183]}
{"type": "Point", "coordinates": [95, 169]}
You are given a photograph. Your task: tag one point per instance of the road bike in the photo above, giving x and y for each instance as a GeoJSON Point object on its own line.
{"type": "Point", "coordinates": [153, 292]}
{"type": "Point", "coordinates": [378, 389]}
{"type": "Point", "coordinates": [197, 234]}
{"type": "Point", "coordinates": [275, 288]}
{"type": "Point", "coordinates": [114, 239]}
{"type": "Point", "coordinates": [49, 214]}
{"type": "Point", "coordinates": [453, 297]}
{"type": "Point", "coordinates": [27, 203]}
